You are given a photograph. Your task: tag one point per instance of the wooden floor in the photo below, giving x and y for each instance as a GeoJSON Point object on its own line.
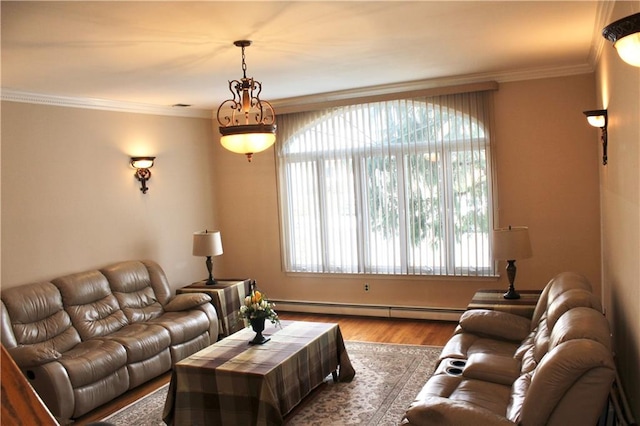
{"type": "Point", "coordinates": [364, 329]}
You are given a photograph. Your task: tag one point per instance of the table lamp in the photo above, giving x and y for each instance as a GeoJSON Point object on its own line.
{"type": "Point", "coordinates": [510, 244]}
{"type": "Point", "coordinates": [207, 243]}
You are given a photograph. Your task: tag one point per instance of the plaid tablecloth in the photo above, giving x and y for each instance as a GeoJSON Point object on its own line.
{"type": "Point", "coordinates": [234, 383]}
{"type": "Point", "coordinates": [226, 297]}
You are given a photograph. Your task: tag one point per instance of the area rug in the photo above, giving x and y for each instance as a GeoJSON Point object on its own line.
{"type": "Point", "coordinates": [388, 378]}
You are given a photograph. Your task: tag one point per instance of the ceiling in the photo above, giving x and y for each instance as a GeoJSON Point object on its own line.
{"type": "Point", "coordinates": [171, 52]}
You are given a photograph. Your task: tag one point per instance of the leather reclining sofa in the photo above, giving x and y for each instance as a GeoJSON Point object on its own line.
{"type": "Point", "coordinates": [86, 338]}
{"type": "Point", "coordinates": [503, 369]}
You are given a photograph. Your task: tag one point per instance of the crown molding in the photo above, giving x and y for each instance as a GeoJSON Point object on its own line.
{"type": "Point", "coordinates": [303, 103]}
{"type": "Point", "coordinates": [101, 104]}
{"type": "Point", "coordinates": [329, 99]}
{"type": "Point", "coordinates": [604, 12]}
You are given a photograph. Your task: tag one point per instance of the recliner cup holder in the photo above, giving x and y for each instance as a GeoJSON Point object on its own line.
{"type": "Point", "coordinates": [455, 367]}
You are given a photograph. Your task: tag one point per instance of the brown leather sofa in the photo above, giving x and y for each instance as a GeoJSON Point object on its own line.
{"type": "Point", "coordinates": [502, 369]}
{"type": "Point", "coordinates": [83, 339]}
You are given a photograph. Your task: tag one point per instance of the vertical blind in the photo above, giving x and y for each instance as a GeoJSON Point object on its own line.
{"type": "Point", "coordinates": [394, 187]}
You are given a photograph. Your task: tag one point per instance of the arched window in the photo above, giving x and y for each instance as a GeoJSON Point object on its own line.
{"type": "Point", "coordinates": [395, 187]}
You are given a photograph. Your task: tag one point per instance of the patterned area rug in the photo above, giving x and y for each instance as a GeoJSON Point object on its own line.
{"type": "Point", "coordinates": [388, 378]}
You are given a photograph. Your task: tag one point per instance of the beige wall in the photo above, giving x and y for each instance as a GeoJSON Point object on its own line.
{"type": "Point", "coordinates": [618, 90]}
{"type": "Point", "coordinates": [70, 201]}
{"type": "Point", "coordinates": [547, 166]}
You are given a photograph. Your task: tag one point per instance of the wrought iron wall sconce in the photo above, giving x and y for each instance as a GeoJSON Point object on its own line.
{"type": "Point", "coordinates": [143, 174]}
{"type": "Point", "coordinates": [598, 118]}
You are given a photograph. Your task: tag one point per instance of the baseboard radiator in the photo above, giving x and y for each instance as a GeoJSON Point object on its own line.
{"type": "Point", "coordinates": [440, 314]}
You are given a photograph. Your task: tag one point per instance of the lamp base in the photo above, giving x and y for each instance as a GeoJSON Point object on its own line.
{"type": "Point", "coordinates": [210, 280]}
{"type": "Point", "coordinates": [511, 274]}
{"type": "Point", "coordinates": [511, 294]}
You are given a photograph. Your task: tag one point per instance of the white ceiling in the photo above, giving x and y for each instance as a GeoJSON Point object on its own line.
{"type": "Point", "coordinates": [164, 53]}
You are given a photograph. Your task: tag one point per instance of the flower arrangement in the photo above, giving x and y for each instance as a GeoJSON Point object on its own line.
{"type": "Point", "coordinates": [257, 306]}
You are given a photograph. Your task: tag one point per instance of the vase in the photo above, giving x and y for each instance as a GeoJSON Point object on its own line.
{"type": "Point", "coordinates": [257, 324]}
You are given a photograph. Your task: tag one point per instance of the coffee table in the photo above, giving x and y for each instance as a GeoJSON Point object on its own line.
{"type": "Point", "coordinates": [234, 383]}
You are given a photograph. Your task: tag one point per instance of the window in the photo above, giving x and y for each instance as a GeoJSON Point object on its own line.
{"type": "Point", "coordinates": [395, 187]}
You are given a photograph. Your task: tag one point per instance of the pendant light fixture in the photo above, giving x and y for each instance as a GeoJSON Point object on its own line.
{"type": "Point", "coordinates": [247, 123]}
{"type": "Point", "coordinates": [625, 35]}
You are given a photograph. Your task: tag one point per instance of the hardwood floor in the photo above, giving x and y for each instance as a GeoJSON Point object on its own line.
{"type": "Point", "coordinates": [384, 330]}
{"type": "Point", "coordinates": [364, 329]}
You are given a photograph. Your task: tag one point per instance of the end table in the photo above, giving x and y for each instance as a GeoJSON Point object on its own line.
{"type": "Point", "coordinates": [226, 296]}
{"type": "Point", "coordinates": [492, 299]}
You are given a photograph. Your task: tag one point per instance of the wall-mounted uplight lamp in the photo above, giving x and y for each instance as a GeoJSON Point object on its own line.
{"type": "Point", "coordinates": [598, 118]}
{"type": "Point", "coordinates": [143, 174]}
{"type": "Point", "coordinates": [625, 35]}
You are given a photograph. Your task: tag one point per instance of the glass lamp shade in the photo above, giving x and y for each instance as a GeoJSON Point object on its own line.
{"type": "Point", "coordinates": [142, 162]}
{"type": "Point", "coordinates": [247, 139]}
{"type": "Point", "coordinates": [629, 49]}
{"type": "Point", "coordinates": [511, 243]}
{"type": "Point", "coordinates": [207, 243]}
{"type": "Point", "coordinates": [596, 120]}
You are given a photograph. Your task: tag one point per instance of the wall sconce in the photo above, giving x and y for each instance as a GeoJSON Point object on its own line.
{"type": "Point", "coordinates": [598, 118]}
{"type": "Point", "coordinates": [625, 35]}
{"type": "Point", "coordinates": [143, 174]}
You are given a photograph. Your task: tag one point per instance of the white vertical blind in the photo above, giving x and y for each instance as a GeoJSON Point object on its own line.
{"type": "Point", "coordinates": [394, 187]}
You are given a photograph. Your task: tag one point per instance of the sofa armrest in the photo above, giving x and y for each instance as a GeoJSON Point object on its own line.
{"type": "Point", "coordinates": [434, 410]}
{"type": "Point", "coordinates": [499, 369]}
{"type": "Point", "coordinates": [498, 324]}
{"type": "Point", "coordinates": [33, 356]}
{"type": "Point", "coordinates": [186, 301]}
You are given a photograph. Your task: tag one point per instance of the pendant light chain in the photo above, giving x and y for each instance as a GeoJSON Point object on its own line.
{"type": "Point", "coordinates": [244, 65]}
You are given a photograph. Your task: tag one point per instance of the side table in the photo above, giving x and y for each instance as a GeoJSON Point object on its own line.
{"type": "Point", "coordinates": [492, 299]}
{"type": "Point", "coordinates": [226, 296]}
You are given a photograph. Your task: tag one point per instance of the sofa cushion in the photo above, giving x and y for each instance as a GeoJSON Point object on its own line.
{"type": "Point", "coordinates": [185, 301]}
{"type": "Point", "coordinates": [463, 345]}
{"type": "Point", "coordinates": [581, 323]}
{"type": "Point", "coordinates": [39, 321]}
{"type": "Point", "coordinates": [493, 397]}
{"type": "Point", "coordinates": [492, 368]}
{"type": "Point", "coordinates": [92, 307]}
{"type": "Point", "coordinates": [568, 300]}
{"type": "Point", "coordinates": [183, 326]}
{"type": "Point", "coordinates": [131, 285]}
{"type": "Point", "coordinates": [91, 361]}
{"type": "Point", "coordinates": [501, 325]}
{"type": "Point", "coordinates": [570, 385]}
{"type": "Point", "coordinates": [440, 411]}
{"type": "Point", "coordinates": [518, 393]}
{"type": "Point", "coordinates": [141, 341]}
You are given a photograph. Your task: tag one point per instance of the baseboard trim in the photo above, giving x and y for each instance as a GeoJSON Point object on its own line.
{"type": "Point", "coordinates": [427, 313]}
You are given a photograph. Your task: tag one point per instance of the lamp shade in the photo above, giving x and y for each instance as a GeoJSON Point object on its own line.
{"type": "Point", "coordinates": [142, 162]}
{"type": "Point", "coordinates": [625, 35]}
{"type": "Point", "coordinates": [596, 120]}
{"type": "Point", "coordinates": [256, 138]}
{"type": "Point", "coordinates": [629, 49]}
{"type": "Point", "coordinates": [207, 243]}
{"type": "Point", "coordinates": [511, 243]}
